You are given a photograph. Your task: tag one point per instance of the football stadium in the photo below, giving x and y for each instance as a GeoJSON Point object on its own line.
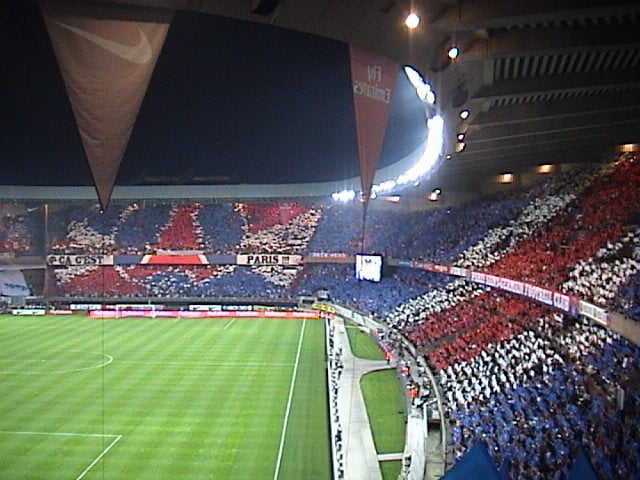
{"type": "Point", "coordinates": [320, 240]}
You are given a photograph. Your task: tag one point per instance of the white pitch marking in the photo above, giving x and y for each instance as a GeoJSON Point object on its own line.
{"type": "Point", "coordinates": [109, 359]}
{"type": "Point", "coordinates": [99, 457]}
{"type": "Point", "coordinates": [229, 324]}
{"type": "Point", "coordinates": [288, 409]}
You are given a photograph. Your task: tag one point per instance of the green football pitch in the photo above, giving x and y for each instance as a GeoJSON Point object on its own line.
{"type": "Point", "coordinates": [162, 399]}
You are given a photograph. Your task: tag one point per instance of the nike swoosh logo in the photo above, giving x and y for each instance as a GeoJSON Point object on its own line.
{"type": "Point", "coordinates": [140, 53]}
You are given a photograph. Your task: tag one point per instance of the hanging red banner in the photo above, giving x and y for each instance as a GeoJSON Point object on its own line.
{"type": "Point", "coordinates": [372, 78]}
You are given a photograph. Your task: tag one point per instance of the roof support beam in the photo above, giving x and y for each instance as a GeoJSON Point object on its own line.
{"type": "Point", "coordinates": [539, 41]}
{"type": "Point", "coordinates": [574, 126]}
{"type": "Point", "coordinates": [615, 133]}
{"type": "Point", "coordinates": [472, 15]}
{"type": "Point", "coordinates": [556, 84]}
{"type": "Point", "coordinates": [561, 110]}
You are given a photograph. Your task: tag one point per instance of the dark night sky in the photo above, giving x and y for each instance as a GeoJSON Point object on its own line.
{"type": "Point", "coordinates": [246, 102]}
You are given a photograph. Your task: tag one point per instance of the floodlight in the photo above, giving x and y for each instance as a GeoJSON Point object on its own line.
{"type": "Point", "coordinates": [412, 20]}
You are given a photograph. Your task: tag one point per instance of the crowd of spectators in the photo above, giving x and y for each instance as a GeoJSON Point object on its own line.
{"type": "Point", "coordinates": [377, 299]}
{"type": "Point", "coordinates": [543, 395]}
{"type": "Point", "coordinates": [96, 282]}
{"type": "Point", "coordinates": [265, 228]}
{"type": "Point", "coordinates": [182, 231]}
{"type": "Point", "coordinates": [497, 242]}
{"type": "Point", "coordinates": [517, 378]}
{"type": "Point", "coordinates": [600, 215]}
{"type": "Point", "coordinates": [222, 227]}
{"type": "Point", "coordinates": [598, 278]}
{"type": "Point", "coordinates": [629, 297]}
{"type": "Point", "coordinates": [18, 237]}
{"type": "Point", "coordinates": [511, 374]}
{"type": "Point", "coordinates": [440, 235]}
{"type": "Point", "coordinates": [335, 368]}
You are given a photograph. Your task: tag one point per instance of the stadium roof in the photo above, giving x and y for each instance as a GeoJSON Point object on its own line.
{"type": "Point", "coordinates": [545, 82]}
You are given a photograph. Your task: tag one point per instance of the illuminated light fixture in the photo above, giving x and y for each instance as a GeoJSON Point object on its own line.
{"type": "Point", "coordinates": [460, 146]}
{"type": "Point", "coordinates": [449, 156]}
{"type": "Point", "coordinates": [629, 147]}
{"type": "Point", "coordinates": [437, 191]}
{"type": "Point", "coordinates": [464, 114]}
{"type": "Point", "coordinates": [460, 137]}
{"type": "Point", "coordinates": [412, 21]}
{"type": "Point", "coordinates": [423, 89]}
{"type": "Point", "coordinates": [505, 178]}
{"type": "Point", "coordinates": [344, 196]}
{"type": "Point", "coordinates": [430, 97]}
{"type": "Point", "coordinates": [385, 186]}
{"type": "Point", "coordinates": [429, 157]}
{"type": "Point", "coordinates": [393, 198]}
{"type": "Point", "coordinates": [434, 196]}
{"type": "Point", "coordinates": [545, 168]}
{"type": "Point", "coordinates": [453, 52]}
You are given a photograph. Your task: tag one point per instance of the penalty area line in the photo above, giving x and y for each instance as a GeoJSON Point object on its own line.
{"type": "Point", "coordinates": [285, 423]}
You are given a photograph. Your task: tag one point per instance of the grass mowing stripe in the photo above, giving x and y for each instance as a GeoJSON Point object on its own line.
{"type": "Point", "coordinates": [207, 365]}
{"type": "Point", "coordinates": [308, 434]}
{"type": "Point", "coordinates": [289, 399]}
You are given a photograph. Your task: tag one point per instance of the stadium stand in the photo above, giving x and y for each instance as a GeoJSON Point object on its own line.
{"type": "Point", "coordinates": [534, 385]}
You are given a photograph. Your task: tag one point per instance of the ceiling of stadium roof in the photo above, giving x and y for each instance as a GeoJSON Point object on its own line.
{"type": "Point", "coordinates": [545, 81]}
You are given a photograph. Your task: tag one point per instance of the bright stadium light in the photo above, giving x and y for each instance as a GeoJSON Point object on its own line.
{"type": "Point", "coordinates": [412, 21]}
{"type": "Point", "coordinates": [432, 145]}
{"type": "Point", "coordinates": [414, 76]}
{"type": "Point", "coordinates": [344, 196]}
{"type": "Point", "coordinates": [432, 150]}
{"type": "Point", "coordinates": [423, 89]}
{"type": "Point", "coordinates": [384, 187]}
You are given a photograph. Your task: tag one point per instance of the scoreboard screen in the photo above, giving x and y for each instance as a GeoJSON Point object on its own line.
{"type": "Point", "coordinates": [369, 267]}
